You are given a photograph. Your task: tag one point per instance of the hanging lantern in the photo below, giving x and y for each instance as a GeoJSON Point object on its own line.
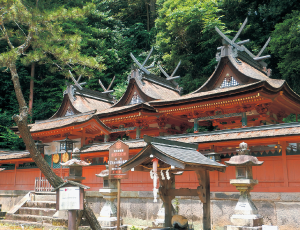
{"type": "Point", "coordinates": [213, 156]}
{"type": "Point", "coordinates": [40, 146]}
{"type": "Point", "coordinates": [66, 145]}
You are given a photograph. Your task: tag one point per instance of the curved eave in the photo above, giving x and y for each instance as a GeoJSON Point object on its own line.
{"type": "Point", "coordinates": [126, 109]}
{"type": "Point", "coordinates": [74, 124]}
{"type": "Point", "coordinates": [132, 84]}
{"type": "Point", "coordinates": [62, 107]}
{"type": "Point", "coordinates": [209, 96]}
{"type": "Point", "coordinates": [260, 86]}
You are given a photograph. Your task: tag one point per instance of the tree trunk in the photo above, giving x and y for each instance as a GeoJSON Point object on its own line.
{"type": "Point", "coordinates": [21, 121]}
{"type": "Point", "coordinates": [152, 12]}
{"type": "Point", "coordinates": [31, 89]}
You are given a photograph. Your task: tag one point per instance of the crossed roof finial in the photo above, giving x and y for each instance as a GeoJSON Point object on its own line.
{"type": "Point", "coordinates": [106, 90]}
{"type": "Point", "coordinates": [142, 66]}
{"type": "Point", "coordinates": [239, 45]}
{"type": "Point", "coordinates": [76, 82]}
{"type": "Point", "coordinates": [172, 75]}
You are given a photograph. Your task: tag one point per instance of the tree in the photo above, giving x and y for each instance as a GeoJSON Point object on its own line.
{"type": "Point", "coordinates": [285, 45]}
{"type": "Point", "coordinates": [186, 32]}
{"type": "Point", "coordinates": [42, 32]}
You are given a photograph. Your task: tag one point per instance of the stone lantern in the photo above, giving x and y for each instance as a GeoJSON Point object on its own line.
{"type": "Point", "coordinates": [245, 213]}
{"type": "Point", "coordinates": [75, 165]}
{"type": "Point", "coordinates": [108, 214]}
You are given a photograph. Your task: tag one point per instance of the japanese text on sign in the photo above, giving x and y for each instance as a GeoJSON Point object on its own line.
{"type": "Point", "coordinates": [69, 198]}
{"type": "Point", "coordinates": [118, 155]}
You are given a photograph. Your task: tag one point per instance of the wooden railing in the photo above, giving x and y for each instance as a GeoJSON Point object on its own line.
{"type": "Point", "coordinates": [42, 185]}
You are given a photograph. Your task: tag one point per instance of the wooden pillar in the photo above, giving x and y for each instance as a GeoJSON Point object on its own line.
{"type": "Point", "coordinates": [166, 198]}
{"type": "Point", "coordinates": [83, 138]}
{"type": "Point", "coordinates": [196, 125]}
{"type": "Point", "coordinates": [204, 195]}
{"type": "Point", "coordinates": [138, 133]}
{"type": "Point", "coordinates": [106, 137]}
{"type": "Point", "coordinates": [72, 220]}
{"type": "Point", "coordinates": [244, 119]}
{"type": "Point", "coordinates": [118, 204]}
{"type": "Point", "coordinates": [283, 145]}
{"type": "Point", "coordinates": [15, 182]}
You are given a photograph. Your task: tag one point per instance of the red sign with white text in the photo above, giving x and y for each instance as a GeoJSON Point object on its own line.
{"type": "Point", "coordinates": [118, 154]}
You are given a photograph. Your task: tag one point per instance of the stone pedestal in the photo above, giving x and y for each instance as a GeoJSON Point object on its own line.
{"type": "Point", "coordinates": [245, 212]}
{"type": "Point", "coordinates": [108, 214]}
{"type": "Point", "coordinates": [245, 215]}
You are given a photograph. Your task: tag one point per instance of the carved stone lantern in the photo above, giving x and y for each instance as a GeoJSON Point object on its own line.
{"type": "Point", "coordinates": [75, 165]}
{"type": "Point", "coordinates": [245, 213]}
{"type": "Point", "coordinates": [108, 214]}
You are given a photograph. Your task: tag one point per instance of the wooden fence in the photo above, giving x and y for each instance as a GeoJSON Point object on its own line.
{"type": "Point", "coordinates": [41, 184]}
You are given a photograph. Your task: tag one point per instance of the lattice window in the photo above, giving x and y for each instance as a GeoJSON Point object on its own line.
{"type": "Point", "coordinates": [135, 99]}
{"type": "Point", "coordinates": [69, 112]}
{"type": "Point", "coordinates": [228, 82]}
{"type": "Point", "coordinates": [48, 159]}
{"type": "Point", "coordinates": [57, 165]}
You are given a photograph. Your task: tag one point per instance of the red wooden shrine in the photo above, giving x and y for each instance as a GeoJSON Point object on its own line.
{"type": "Point", "coordinates": [239, 102]}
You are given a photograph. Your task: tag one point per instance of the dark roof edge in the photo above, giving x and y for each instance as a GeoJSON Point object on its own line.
{"type": "Point", "coordinates": [65, 117]}
{"type": "Point", "coordinates": [150, 139]}
{"type": "Point", "coordinates": [246, 129]}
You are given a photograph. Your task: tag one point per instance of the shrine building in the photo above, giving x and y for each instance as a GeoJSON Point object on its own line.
{"type": "Point", "coordinates": [240, 102]}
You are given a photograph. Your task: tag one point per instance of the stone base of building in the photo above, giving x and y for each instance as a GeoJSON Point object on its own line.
{"type": "Point", "coordinates": [231, 227]}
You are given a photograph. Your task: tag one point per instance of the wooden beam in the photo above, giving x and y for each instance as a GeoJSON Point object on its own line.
{"type": "Point", "coordinates": [284, 163]}
{"type": "Point", "coordinates": [182, 192]}
{"type": "Point", "coordinates": [204, 181]}
{"type": "Point", "coordinates": [167, 198]}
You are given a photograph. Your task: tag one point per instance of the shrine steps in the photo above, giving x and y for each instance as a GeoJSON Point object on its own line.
{"type": "Point", "coordinates": [38, 210]}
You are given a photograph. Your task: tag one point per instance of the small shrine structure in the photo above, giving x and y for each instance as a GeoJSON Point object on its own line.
{"type": "Point", "coordinates": [173, 157]}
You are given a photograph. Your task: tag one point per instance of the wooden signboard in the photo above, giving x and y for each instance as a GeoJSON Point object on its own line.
{"type": "Point", "coordinates": [118, 154]}
{"type": "Point", "coordinates": [69, 198]}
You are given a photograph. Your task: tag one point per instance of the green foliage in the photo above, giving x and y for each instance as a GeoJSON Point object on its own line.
{"type": "Point", "coordinates": [135, 228]}
{"type": "Point", "coordinates": [290, 118]}
{"type": "Point", "coordinates": [186, 31]}
{"type": "Point", "coordinates": [8, 140]}
{"type": "Point", "coordinates": [120, 90]}
{"type": "Point", "coordinates": [285, 45]}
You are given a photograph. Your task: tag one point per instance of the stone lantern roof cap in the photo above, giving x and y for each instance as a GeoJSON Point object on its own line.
{"type": "Point", "coordinates": [103, 173]}
{"type": "Point", "coordinates": [75, 162]}
{"type": "Point", "coordinates": [243, 160]}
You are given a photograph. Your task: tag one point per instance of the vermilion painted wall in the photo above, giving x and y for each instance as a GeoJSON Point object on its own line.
{"type": "Point", "coordinates": [273, 176]}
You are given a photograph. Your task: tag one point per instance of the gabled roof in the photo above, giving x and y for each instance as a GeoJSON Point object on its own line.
{"type": "Point", "coordinates": [183, 156]}
{"type": "Point", "coordinates": [62, 122]}
{"type": "Point", "coordinates": [125, 109]}
{"type": "Point", "coordinates": [149, 87]}
{"type": "Point", "coordinates": [83, 100]}
{"type": "Point", "coordinates": [245, 72]}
